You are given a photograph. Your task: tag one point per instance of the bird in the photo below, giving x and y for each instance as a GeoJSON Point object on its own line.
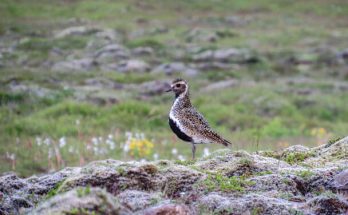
{"type": "Point", "coordinates": [186, 122]}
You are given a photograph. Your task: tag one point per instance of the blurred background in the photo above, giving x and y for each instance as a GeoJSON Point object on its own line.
{"type": "Point", "coordinates": [83, 80]}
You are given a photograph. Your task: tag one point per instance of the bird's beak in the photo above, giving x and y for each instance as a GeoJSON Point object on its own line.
{"type": "Point", "coordinates": [170, 89]}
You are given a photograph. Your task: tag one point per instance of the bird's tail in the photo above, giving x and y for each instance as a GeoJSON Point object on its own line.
{"type": "Point", "coordinates": [226, 142]}
{"type": "Point", "coordinates": [218, 139]}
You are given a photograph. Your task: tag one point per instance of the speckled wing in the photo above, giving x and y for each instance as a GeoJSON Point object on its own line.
{"type": "Point", "coordinates": [198, 128]}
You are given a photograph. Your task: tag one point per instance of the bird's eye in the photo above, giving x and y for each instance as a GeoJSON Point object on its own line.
{"type": "Point", "coordinates": [178, 85]}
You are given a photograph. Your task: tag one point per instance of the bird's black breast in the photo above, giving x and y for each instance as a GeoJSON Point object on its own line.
{"type": "Point", "coordinates": [178, 132]}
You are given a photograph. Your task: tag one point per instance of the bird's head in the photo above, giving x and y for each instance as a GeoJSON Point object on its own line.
{"type": "Point", "coordinates": [179, 86]}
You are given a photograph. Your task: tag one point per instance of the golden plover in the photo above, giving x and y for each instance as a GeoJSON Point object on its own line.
{"type": "Point", "coordinates": [186, 122]}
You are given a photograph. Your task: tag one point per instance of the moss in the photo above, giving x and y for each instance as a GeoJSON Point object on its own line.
{"type": "Point", "coordinates": [55, 190]}
{"type": "Point", "coordinates": [332, 141]}
{"type": "Point", "coordinates": [266, 172]}
{"type": "Point", "coordinates": [271, 154]}
{"type": "Point", "coordinates": [83, 191]}
{"type": "Point", "coordinates": [222, 183]}
{"type": "Point", "coordinates": [305, 174]}
{"type": "Point", "coordinates": [245, 162]}
{"type": "Point", "coordinates": [80, 211]}
{"type": "Point", "coordinates": [296, 157]}
{"type": "Point", "coordinates": [121, 171]}
{"type": "Point", "coordinates": [257, 211]}
{"type": "Point", "coordinates": [285, 195]}
{"type": "Point", "coordinates": [150, 169]}
{"type": "Point", "coordinates": [185, 162]}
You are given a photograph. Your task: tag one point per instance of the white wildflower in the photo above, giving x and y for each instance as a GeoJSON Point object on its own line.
{"type": "Point", "coordinates": [62, 142]}
{"type": "Point", "coordinates": [11, 156]}
{"type": "Point", "coordinates": [77, 122]}
{"type": "Point", "coordinates": [174, 151]}
{"type": "Point", "coordinates": [182, 158]}
{"type": "Point", "coordinates": [95, 141]}
{"type": "Point", "coordinates": [100, 139]}
{"type": "Point", "coordinates": [71, 149]}
{"type": "Point", "coordinates": [206, 152]}
{"type": "Point", "coordinates": [129, 135]}
{"type": "Point", "coordinates": [126, 147]}
{"type": "Point", "coordinates": [89, 147]}
{"type": "Point", "coordinates": [96, 150]}
{"type": "Point", "coordinates": [38, 141]}
{"type": "Point", "coordinates": [111, 144]}
{"type": "Point", "coordinates": [155, 156]}
{"type": "Point", "coordinates": [47, 141]}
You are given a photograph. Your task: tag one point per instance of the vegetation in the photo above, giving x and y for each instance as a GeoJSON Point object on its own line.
{"type": "Point", "coordinates": [274, 102]}
{"type": "Point", "coordinates": [223, 183]}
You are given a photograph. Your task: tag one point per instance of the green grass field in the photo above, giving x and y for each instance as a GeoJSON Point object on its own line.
{"type": "Point", "coordinates": [265, 110]}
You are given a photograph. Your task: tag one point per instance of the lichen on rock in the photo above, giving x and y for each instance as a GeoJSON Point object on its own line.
{"type": "Point", "coordinates": [297, 180]}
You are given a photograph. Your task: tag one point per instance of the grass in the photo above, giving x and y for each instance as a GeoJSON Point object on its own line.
{"type": "Point", "coordinates": [262, 112]}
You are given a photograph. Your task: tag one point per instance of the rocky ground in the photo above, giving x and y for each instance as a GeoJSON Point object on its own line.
{"type": "Point", "coordinates": [87, 47]}
{"type": "Point", "coordinates": [297, 180]}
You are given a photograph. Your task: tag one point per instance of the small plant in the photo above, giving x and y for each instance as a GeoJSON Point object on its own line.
{"type": "Point", "coordinates": [305, 174]}
{"type": "Point", "coordinates": [256, 211]}
{"type": "Point", "coordinates": [81, 191]}
{"type": "Point", "coordinates": [138, 146]}
{"type": "Point", "coordinates": [185, 162]}
{"type": "Point", "coordinates": [332, 141]}
{"type": "Point", "coordinates": [266, 172]}
{"type": "Point", "coordinates": [296, 157]}
{"type": "Point", "coordinates": [55, 190]}
{"type": "Point", "coordinates": [223, 183]}
{"type": "Point", "coordinates": [121, 171]}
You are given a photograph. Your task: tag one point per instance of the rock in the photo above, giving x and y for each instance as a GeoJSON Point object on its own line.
{"type": "Point", "coordinates": [330, 154]}
{"type": "Point", "coordinates": [168, 209]}
{"type": "Point", "coordinates": [201, 35]}
{"type": "Point", "coordinates": [85, 64]}
{"type": "Point", "coordinates": [103, 98]}
{"type": "Point", "coordinates": [109, 34]}
{"type": "Point", "coordinates": [76, 31]}
{"type": "Point", "coordinates": [133, 66]}
{"type": "Point", "coordinates": [220, 85]}
{"type": "Point", "coordinates": [331, 204]}
{"type": "Point", "coordinates": [103, 83]}
{"type": "Point", "coordinates": [273, 182]}
{"type": "Point", "coordinates": [138, 200]}
{"type": "Point", "coordinates": [31, 89]}
{"type": "Point", "coordinates": [175, 67]}
{"type": "Point", "coordinates": [111, 53]}
{"type": "Point", "coordinates": [343, 55]}
{"type": "Point", "coordinates": [102, 39]}
{"type": "Point", "coordinates": [225, 182]}
{"type": "Point", "coordinates": [80, 200]}
{"type": "Point", "coordinates": [248, 204]}
{"type": "Point", "coordinates": [143, 51]}
{"type": "Point", "coordinates": [233, 55]}
{"type": "Point", "coordinates": [230, 55]}
{"type": "Point", "coordinates": [236, 21]}
{"type": "Point", "coordinates": [18, 194]}
{"type": "Point", "coordinates": [238, 163]}
{"type": "Point", "coordinates": [203, 56]}
{"type": "Point", "coordinates": [340, 182]}
{"type": "Point", "coordinates": [153, 88]}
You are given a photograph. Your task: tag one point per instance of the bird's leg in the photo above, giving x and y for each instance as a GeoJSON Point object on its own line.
{"type": "Point", "coordinates": [193, 151]}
